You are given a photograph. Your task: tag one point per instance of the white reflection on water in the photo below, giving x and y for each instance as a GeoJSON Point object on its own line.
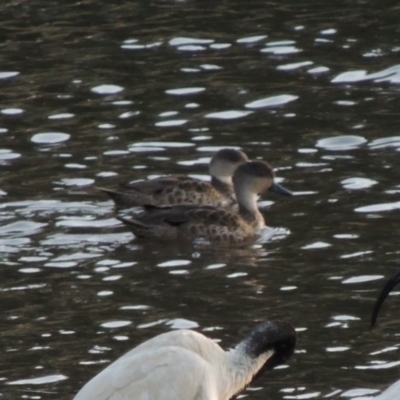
{"type": "Point", "coordinates": [251, 39]}
{"type": "Point", "coordinates": [356, 254]}
{"type": "Point", "coordinates": [138, 307]}
{"type": "Point", "coordinates": [70, 239]}
{"type": "Point", "coordinates": [392, 141]}
{"type": "Point", "coordinates": [22, 288]}
{"type": "Point", "coordinates": [231, 114]}
{"type": "Point", "coordinates": [161, 144]}
{"type": "Point", "coordinates": [303, 396]}
{"type": "Point", "coordinates": [12, 111]}
{"type": "Point", "coordinates": [210, 67]}
{"type": "Point", "coordinates": [76, 181]}
{"type": "Point", "coordinates": [293, 66]}
{"type": "Point", "coordinates": [181, 323]}
{"type": "Point", "coordinates": [191, 48]}
{"type": "Point", "coordinates": [7, 75]}
{"type": "Point", "coordinates": [359, 392]}
{"type": "Point", "coordinates": [215, 266]}
{"type": "Point", "coordinates": [386, 349]}
{"type": "Point", "coordinates": [358, 183]}
{"type": "Point", "coordinates": [75, 166]}
{"type": "Point", "coordinates": [379, 207]}
{"type": "Point", "coordinates": [174, 122]}
{"type": "Point", "coordinates": [269, 233]}
{"type": "Point", "coordinates": [25, 227]}
{"type": "Point", "coordinates": [316, 245]}
{"type": "Point", "coordinates": [61, 264]}
{"type": "Point", "coordinates": [50, 137]}
{"type": "Point", "coordinates": [281, 50]}
{"type": "Point", "coordinates": [107, 89]}
{"type": "Point", "coordinates": [341, 321]}
{"type": "Point", "coordinates": [129, 114]}
{"type": "Point", "coordinates": [318, 70]}
{"type": "Point", "coordinates": [220, 46]}
{"type": "Point", "coordinates": [185, 91]}
{"type": "Point", "coordinates": [61, 116]}
{"type": "Point", "coordinates": [174, 263]}
{"type": "Point", "coordinates": [178, 41]}
{"type": "Point", "coordinates": [337, 349]}
{"type": "Point", "coordinates": [379, 365]}
{"type": "Point", "coordinates": [168, 114]}
{"type": "Point", "coordinates": [237, 275]}
{"type": "Point", "coordinates": [343, 142]}
{"type": "Point", "coordinates": [362, 278]}
{"type": "Point", "coordinates": [115, 152]}
{"type": "Point", "coordinates": [39, 381]}
{"type": "Point", "coordinates": [272, 101]}
{"type": "Point", "coordinates": [6, 154]}
{"type": "Point", "coordinates": [346, 236]}
{"type": "Point", "coordinates": [391, 75]}
{"type": "Point", "coordinates": [115, 324]}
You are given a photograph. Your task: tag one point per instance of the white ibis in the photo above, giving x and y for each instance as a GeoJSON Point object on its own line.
{"type": "Point", "coordinates": [186, 365]}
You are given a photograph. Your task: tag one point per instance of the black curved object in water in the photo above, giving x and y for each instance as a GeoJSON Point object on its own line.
{"type": "Point", "coordinates": [391, 283]}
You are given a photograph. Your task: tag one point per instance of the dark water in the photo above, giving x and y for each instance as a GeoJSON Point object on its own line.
{"type": "Point", "coordinates": [94, 93]}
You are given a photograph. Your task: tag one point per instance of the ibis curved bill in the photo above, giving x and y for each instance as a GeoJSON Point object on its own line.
{"type": "Point", "coordinates": [393, 391]}
{"type": "Point", "coordinates": [390, 285]}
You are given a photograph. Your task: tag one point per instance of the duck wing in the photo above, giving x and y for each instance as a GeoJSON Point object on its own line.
{"type": "Point", "coordinates": [155, 186]}
{"type": "Point", "coordinates": [167, 191]}
{"type": "Point", "coordinates": [190, 213]}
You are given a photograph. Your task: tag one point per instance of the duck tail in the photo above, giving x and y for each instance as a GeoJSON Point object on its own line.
{"type": "Point", "coordinates": [132, 223]}
{"type": "Point", "coordinates": [110, 192]}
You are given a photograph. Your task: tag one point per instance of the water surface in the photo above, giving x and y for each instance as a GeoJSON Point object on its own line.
{"type": "Point", "coordinates": [98, 93]}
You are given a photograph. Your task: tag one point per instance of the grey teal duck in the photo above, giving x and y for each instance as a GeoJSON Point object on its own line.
{"type": "Point", "coordinates": [171, 190]}
{"type": "Point", "coordinates": [214, 224]}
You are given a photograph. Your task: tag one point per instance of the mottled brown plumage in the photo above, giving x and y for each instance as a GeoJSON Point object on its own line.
{"type": "Point", "coordinates": [171, 190]}
{"type": "Point", "coordinates": [214, 224]}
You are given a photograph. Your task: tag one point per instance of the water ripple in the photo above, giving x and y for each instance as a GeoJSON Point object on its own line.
{"type": "Point", "coordinates": [107, 89]}
{"type": "Point", "coordinates": [184, 91]}
{"type": "Point", "coordinates": [12, 111]}
{"type": "Point", "coordinates": [179, 41]}
{"type": "Point", "coordinates": [231, 114]}
{"type": "Point", "coordinates": [341, 143]}
{"type": "Point", "coordinates": [379, 207]}
{"type": "Point", "coordinates": [172, 122]}
{"type": "Point", "coordinates": [379, 365]}
{"type": "Point", "coordinates": [61, 239]}
{"type": "Point", "coordinates": [50, 137]}
{"type": "Point", "coordinates": [181, 323]}
{"type": "Point", "coordinates": [25, 227]}
{"type": "Point", "coordinates": [358, 183]}
{"type": "Point", "coordinates": [251, 39]}
{"type": "Point", "coordinates": [392, 141]}
{"type": "Point", "coordinates": [7, 75]}
{"type": "Point", "coordinates": [272, 101]}
{"type": "Point", "coordinates": [391, 75]}
{"type": "Point", "coordinates": [39, 381]}
{"type": "Point", "coordinates": [115, 324]}
{"type": "Point", "coordinates": [362, 278]}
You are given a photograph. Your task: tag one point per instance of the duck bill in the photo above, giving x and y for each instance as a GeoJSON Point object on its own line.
{"type": "Point", "coordinates": [277, 188]}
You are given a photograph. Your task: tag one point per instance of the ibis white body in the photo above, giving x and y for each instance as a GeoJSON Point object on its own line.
{"type": "Point", "coordinates": [391, 393]}
{"type": "Point", "coordinates": [179, 365]}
